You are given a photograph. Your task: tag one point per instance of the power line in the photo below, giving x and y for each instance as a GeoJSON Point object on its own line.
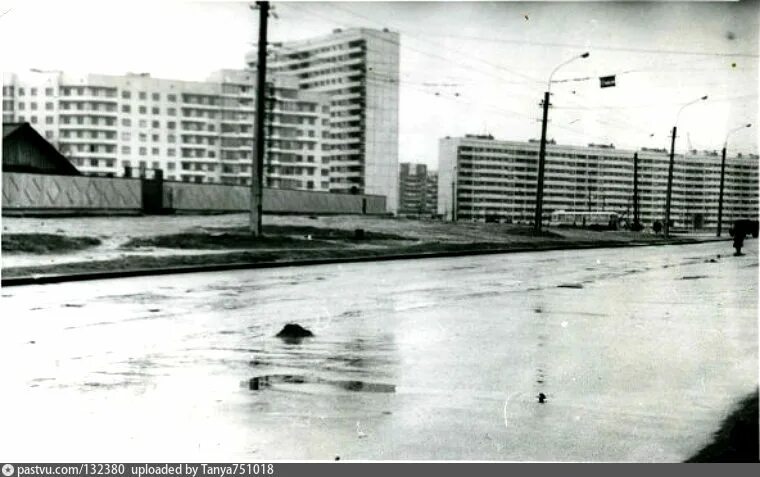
{"type": "Point", "coordinates": [609, 48]}
{"type": "Point", "coordinates": [468, 54]}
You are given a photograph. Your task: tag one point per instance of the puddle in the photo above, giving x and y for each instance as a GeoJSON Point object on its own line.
{"type": "Point", "coordinates": [259, 383]}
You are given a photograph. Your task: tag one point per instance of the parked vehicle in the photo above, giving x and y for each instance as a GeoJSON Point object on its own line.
{"type": "Point", "coordinates": [593, 220]}
{"type": "Point", "coordinates": [748, 227]}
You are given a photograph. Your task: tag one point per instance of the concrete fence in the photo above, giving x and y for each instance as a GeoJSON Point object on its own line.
{"type": "Point", "coordinates": [38, 194]}
{"type": "Point", "coordinates": [26, 193]}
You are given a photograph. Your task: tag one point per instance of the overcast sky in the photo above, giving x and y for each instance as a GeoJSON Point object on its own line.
{"type": "Point", "coordinates": [471, 67]}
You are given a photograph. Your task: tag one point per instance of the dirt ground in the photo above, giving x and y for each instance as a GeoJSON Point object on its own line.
{"type": "Point", "coordinates": [158, 241]}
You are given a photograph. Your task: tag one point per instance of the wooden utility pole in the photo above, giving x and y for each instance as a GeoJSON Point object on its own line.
{"type": "Point", "coordinates": [666, 225]}
{"type": "Point", "coordinates": [636, 223]}
{"type": "Point", "coordinates": [541, 161]}
{"type": "Point", "coordinates": [257, 171]}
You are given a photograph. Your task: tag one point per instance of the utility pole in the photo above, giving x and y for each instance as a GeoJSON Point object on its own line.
{"type": "Point", "coordinates": [636, 224]}
{"type": "Point", "coordinates": [537, 221]}
{"type": "Point", "coordinates": [722, 175]}
{"type": "Point", "coordinates": [541, 161]}
{"type": "Point", "coordinates": [257, 171]}
{"type": "Point", "coordinates": [720, 195]}
{"type": "Point", "coordinates": [666, 225]}
{"type": "Point", "coordinates": [454, 204]}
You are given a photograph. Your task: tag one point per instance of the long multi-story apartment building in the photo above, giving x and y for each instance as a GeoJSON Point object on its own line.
{"type": "Point", "coordinates": [417, 191]}
{"type": "Point", "coordinates": [192, 131]}
{"type": "Point", "coordinates": [481, 179]}
{"type": "Point", "coordinates": [359, 69]}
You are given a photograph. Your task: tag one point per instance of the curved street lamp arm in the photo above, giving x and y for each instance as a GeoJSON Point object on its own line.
{"type": "Point", "coordinates": [549, 83]}
{"type": "Point", "coordinates": [703, 98]}
{"type": "Point", "coordinates": [725, 143]}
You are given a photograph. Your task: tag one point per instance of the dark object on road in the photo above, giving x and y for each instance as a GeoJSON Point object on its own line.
{"type": "Point", "coordinates": [745, 227]}
{"type": "Point", "coordinates": [738, 241]}
{"type": "Point", "coordinates": [293, 331]}
{"type": "Point", "coordinates": [541, 398]}
{"type": "Point", "coordinates": [337, 457]}
{"type": "Point", "coordinates": [359, 234]}
{"type": "Point", "coordinates": [737, 438]}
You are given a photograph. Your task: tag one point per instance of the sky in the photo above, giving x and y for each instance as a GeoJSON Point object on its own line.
{"type": "Point", "coordinates": [466, 67]}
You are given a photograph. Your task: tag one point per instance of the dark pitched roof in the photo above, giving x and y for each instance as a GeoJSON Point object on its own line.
{"type": "Point", "coordinates": [25, 132]}
{"type": "Point", "coordinates": [9, 128]}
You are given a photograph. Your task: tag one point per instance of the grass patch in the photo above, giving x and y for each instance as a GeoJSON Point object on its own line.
{"type": "Point", "coordinates": [737, 438]}
{"type": "Point", "coordinates": [317, 233]}
{"type": "Point", "coordinates": [45, 243]}
{"type": "Point", "coordinates": [221, 241]}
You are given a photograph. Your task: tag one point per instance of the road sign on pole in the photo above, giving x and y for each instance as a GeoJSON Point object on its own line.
{"type": "Point", "coordinates": [607, 81]}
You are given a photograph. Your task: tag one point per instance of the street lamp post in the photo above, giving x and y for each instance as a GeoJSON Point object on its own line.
{"type": "Point", "coordinates": [722, 176]}
{"type": "Point", "coordinates": [666, 225]}
{"type": "Point", "coordinates": [542, 149]}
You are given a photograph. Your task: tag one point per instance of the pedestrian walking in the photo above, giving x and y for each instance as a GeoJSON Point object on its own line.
{"type": "Point", "coordinates": [738, 241]}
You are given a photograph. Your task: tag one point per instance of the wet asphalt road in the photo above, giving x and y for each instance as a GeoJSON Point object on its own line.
{"type": "Point", "coordinates": [640, 353]}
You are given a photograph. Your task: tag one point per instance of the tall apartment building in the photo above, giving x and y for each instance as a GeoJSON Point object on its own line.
{"type": "Point", "coordinates": [417, 191]}
{"type": "Point", "coordinates": [359, 69]}
{"type": "Point", "coordinates": [481, 178]}
{"type": "Point", "coordinates": [193, 131]}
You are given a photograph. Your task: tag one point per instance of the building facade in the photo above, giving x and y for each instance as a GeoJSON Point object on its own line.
{"type": "Point", "coordinates": [193, 131]}
{"type": "Point", "coordinates": [418, 191]}
{"type": "Point", "coordinates": [483, 179]}
{"type": "Point", "coordinates": [359, 69]}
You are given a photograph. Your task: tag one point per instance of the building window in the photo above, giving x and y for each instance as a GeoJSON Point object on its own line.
{"type": "Point", "coordinates": [171, 125]}
{"type": "Point", "coordinates": [109, 162]}
{"type": "Point", "coordinates": [156, 124]}
{"type": "Point", "coordinates": [171, 166]}
{"type": "Point", "coordinates": [143, 123]}
{"type": "Point", "coordinates": [171, 111]}
{"type": "Point", "coordinates": [49, 134]}
{"type": "Point", "coordinates": [143, 110]}
{"type": "Point", "coordinates": [21, 91]}
{"type": "Point", "coordinates": [156, 97]}
{"type": "Point", "coordinates": [33, 119]}
{"type": "Point", "coordinates": [94, 162]}
{"type": "Point", "coordinates": [21, 106]}
{"type": "Point", "coordinates": [125, 108]}
{"type": "Point", "coordinates": [155, 137]}
{"type": "Point", "coordinates": [171, 138]}
{"type": "Point", "coordinates": [126, 150]}
{"type": "Point", "coordinates": [48, 119]}
{"type": "Point", "coordinates": [126, 122]}
{"type": "Point", "coordinates": [143, 95]}
{"type": "Point", "coordinates": [156, 110]}
{"type": "Point", "coordinates": [154, 151]}
{"type": "Point", "coordinates": [126, 136]}
{"type": "Point", "coordinates": [49, 92]}
{"type": "Point", "coordinates": [49, 106]}
{"type": "Point", "coordinates": [33, 91]}
{"type": "Point", "coordinates": [143, 151]}
{"type": "Point", "coordinates": [126, 94]}
{"type": "Point", "coordinates": [172, 97]}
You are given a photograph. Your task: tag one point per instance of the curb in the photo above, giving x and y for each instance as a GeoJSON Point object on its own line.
{"type": "Point", "coordinates": [100, 275]}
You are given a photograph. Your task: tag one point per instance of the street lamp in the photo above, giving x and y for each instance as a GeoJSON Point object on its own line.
{"type": "Point", "coordinates": [542, 150]}
{"type": "Point", "coordinates": [666, 227]}
{"type": "Point", "coordinates": [722, 175]}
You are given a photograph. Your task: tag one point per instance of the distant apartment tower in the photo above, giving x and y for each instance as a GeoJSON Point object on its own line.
{"type": "Point", "coordinates": [193, 131]}
{"type": "Point", "coordinates": [418, 191]}
{"type": "Point", "coordinates": [359, 69]}
{"type": "Point", "coordinates": [483, 179]}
